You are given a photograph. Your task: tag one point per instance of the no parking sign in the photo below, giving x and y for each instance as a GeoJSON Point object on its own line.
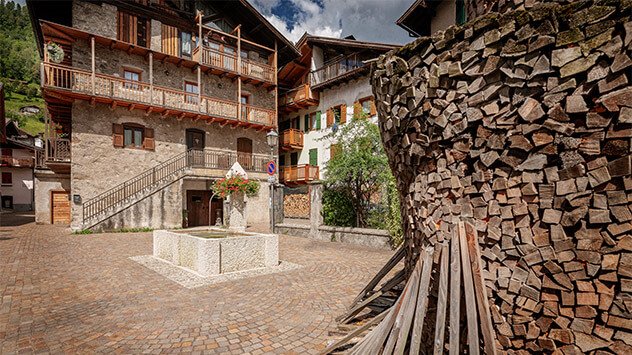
{"type": "Point", "coordinates": [271, 168]}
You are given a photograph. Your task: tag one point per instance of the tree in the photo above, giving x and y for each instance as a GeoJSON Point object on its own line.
{"type": "Point", "coordinates": [359, 166]}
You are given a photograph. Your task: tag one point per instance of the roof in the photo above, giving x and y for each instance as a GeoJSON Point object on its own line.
{"type": "Point", "coordinates": [416, 20]}
{"type": "Point", "coordinates": [345, 42]}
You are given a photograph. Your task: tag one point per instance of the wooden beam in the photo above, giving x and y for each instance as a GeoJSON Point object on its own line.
{"type": "Point", "coordinates": [112, 44]}
{"type": "Point", "coordinates": [468, 288]}
{"type": "Point", "coordinates": [149, 110]}
{"type": "Point", "coordinates": [130, 50]}
{"type": "Point", "coordinates": [165, 113]}
{"type": "Point", "coordinates": [481, 290]}
{"type": "Point", "coordinates": [355, 333]}
{"type": "Point", "coordinates": [92, 100]}
{"type": "Point", "coordinates": [455, 294]}
{"type": "Point", "coordinates": [422, 301]}
{"type": "Point", "coordinates": [197, 118]}
{"type": "Point", "coordinates": [131, 107]}
{"type": "Point", "coordinates": [181, 116]}
{"type": "Point", "coordinates": [113, 105]}
{"type": "Point", "coordinates": [180, 62]}
{"type": "Point", "coordinates": [442, 301]}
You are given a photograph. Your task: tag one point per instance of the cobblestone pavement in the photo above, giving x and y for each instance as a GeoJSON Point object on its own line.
{"type": "Point", "coordinates": [64, 293]}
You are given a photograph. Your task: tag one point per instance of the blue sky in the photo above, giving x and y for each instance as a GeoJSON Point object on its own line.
{"type": "Point", "coordinates": [367, 20]}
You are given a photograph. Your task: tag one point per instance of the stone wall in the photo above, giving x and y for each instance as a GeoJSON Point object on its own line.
{"type": "Point", "coordinates": [46, 181]}
{"type": "Point", "coordinates": [100, 19]}
{"type": "Point", "coordinates": [98, 166]}
{"type": "Point", "coordinates": [519, 124]}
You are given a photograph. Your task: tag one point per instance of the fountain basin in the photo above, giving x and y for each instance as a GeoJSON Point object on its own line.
{"type": "Point", "coordinates": [212, 251]}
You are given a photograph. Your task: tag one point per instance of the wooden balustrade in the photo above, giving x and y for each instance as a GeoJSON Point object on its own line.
{"type": "Point", "coordinates": [291, 139]}
{"type": "Point", "coordinates": [80, 81]}
{"type": "Point", "coordinates": [20, 162]}
{"type": "Point", "coordinates": [299, 173]}
{"type": "Point", "coordinates": [58, 150]}
{"type": "Point", "coordinates": [297, 94]}
{"type": "Point", "coordinates": [228, 61]}
{"type": "Point", "coordinates": [336, 68]}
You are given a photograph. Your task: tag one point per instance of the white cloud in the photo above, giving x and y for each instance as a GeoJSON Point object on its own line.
{"type": "Point", "coordinates": [369, 20]}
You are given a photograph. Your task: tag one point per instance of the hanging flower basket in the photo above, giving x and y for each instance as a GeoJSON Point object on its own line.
{"type": "Point", "coordinates": [229, 185]}
{"type": "Point", "coordinates": [55, 52]}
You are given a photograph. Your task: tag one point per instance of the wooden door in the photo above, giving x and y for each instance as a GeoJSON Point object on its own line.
{"type": "Point", "coordinates": [217, 211]}
{"type": "Point", "coordinates": [60, 207]}
{"type": "Point", "coordinates": [197, 204]}
{"type": "Point", "coordinates": [244, 153]}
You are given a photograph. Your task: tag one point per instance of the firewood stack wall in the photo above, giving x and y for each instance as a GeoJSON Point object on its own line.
{"type": "Point", "coordinates": [520, 123]}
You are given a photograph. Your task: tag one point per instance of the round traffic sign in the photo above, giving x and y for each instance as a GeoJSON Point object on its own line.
{"type": "Point", "coordinates": [271, 168]}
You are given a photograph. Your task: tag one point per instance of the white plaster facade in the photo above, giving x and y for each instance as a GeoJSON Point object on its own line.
{"type": "Point", "coordinates": [21, 187]}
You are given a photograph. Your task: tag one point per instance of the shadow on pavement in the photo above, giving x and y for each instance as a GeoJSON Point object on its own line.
{"type": "Point", "coordinates": [14, 219]}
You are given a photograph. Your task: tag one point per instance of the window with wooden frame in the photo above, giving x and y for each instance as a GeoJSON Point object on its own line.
{"type": "Point", "coordinates": [7, 179]}
{"type": "Point", "coordinates": [132, 29]}
{"type": "Point", "coordinates": [339, 114]}
{"type": "Point", "coordinates": [245, 100]}
{"type": "Point", "coordinates": [185, 44]}
{"type": "Point", "coordinates": [132, 75]}
{"type": "Point", "coordinates": [191, 88]}
{"type": "Point", "coordinates": [364, 106]}
{"type": "Point", "coordinates": [169, 40]}
{"type": "Point", "coordinates": [315, 120]}
{"type": "Point", "coordinates": [133, 135]}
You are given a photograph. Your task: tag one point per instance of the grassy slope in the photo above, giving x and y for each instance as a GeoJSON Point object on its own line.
{"type": "Point", "coordinates": [31, 124]}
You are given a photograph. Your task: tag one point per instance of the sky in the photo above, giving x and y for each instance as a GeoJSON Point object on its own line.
{"type": "Point", "coordinates": [366, 20]}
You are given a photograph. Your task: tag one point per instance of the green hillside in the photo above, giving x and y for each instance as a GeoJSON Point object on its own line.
{"type": "Point", "coordinates": [19, 66]}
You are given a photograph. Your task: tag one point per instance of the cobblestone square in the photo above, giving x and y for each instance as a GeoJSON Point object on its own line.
{"type": "Point", "coordinates": [65, 293]}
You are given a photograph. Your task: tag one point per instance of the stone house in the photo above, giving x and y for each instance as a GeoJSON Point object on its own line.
{"type": "Point", "coordinates": [149, 102]}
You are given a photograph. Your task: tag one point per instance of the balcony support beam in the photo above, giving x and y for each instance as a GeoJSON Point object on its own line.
{"type": "Point", "coordinates": [276, 87]}
{"type": "Point", "coordinates": [151, 77]}
{"type": "Point", "coordinates": [239, 71]}
{"type": "Point", "coordinates": [92, 49]}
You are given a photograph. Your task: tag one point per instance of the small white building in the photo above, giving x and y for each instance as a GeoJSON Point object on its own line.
{"type": "Point", "coordinates": [16, 169]}
{"type": "Point", "coordinates": [329, 84]}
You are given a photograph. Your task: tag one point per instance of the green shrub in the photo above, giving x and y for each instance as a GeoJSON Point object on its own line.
{"type": "Point", "coordinates": [338, 209]}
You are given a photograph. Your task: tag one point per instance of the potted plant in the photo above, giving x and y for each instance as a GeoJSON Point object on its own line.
{"type": "Point", "coordinates": [57, 128]}
{"type": "Point", "coordinates": [55, 52]}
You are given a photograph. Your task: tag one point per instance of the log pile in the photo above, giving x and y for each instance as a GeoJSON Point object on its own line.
{"type": "Point", "coordinates": [520, 124]}
{"type": "Point", "coordinates": [296, 205]}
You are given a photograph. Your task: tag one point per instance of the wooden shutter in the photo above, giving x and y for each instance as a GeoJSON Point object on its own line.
{"type": "Point", "coordinates": [373, 110]}
{"type": "Point", "coordinates": [306, 121]}
{"type": "Point", "coordinates": [343, 113]}
{"type": "Point", "coordinates": [330, 118]}
{"type": "Point", "coordinates": [357, 109]}
{"type": "Point", "coordinates": [127, 25]}
{"type": "Point", "coordinates": [149, 142]}
{"type": "Point", "coordinates": [170, 40]}
{"type": "Point", "coordinates": [317, 119]}
{"type": "Point", "coordinates": [142, 32]}
{"type": "Point", "coordinates": [313, 157]}
{"type": "Point", "coordinates": [117, 135]}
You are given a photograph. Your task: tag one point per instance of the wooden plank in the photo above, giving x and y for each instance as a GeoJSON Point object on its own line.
{"type": "Point", "coordinates": [354, 333]}
{"type": "Point", "coordinates": [422, 302]}
{"type": "Point", "coordinates": [442, 302]}
{"type": "Point", "coordinates": [409, 312]}
{"type": "Point", "coordinates": [399, 277]}
{"type": "Point", "coordinates": [455, 294]}
{"type": "Point", "coordinates": [369, 344]}
{"type": "Point", "coordinates": [468, 288]}
{"type": "Point", "coordinates": [480, 288]}
{"type": "Point", "coordinates": [399, 255]}
{"type": "Point", "coordinates": [399, 320]}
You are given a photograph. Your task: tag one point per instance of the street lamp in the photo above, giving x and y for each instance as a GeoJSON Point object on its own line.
{"type": "Point", "coordinates": [273, 139]}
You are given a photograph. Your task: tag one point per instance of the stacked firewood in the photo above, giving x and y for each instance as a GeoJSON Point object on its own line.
{"type": "Point", "coordinates": [296, 205]}
{"type": "Point", "coordinates": [520, 124]}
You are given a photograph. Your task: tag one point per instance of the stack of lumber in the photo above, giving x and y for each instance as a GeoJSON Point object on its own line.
{"type": "Point", "coordinates": [296, 205]}
{"type": "Point", "coordinates": [520, 124]}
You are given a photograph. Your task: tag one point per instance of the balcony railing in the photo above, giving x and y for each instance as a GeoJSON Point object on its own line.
{"type": "Point", "coordinates": [337, 68]}
{"type": "Point", "coordinates": [300, 94]}
{"type": "Point", "coordinates": [21, 162]}
{"type": "Point", "coordinates": [291, 139]}
{"type": "Point", "coordinates": [58, 150]}
{"type": "Point", "coordinates": [228, 61]}
{"type": "Point", "coordinates": [79, 81]}
{"type": "Point", "coordinates": [298, 174]}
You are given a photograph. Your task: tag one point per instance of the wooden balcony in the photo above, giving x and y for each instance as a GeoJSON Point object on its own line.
{"type": "Point", "coordinates": [65, 83]}
{"type": "Point", "coordinates": [55, 155]}
{"type": "Point", "coordinates": [297, 99]}
{"type": "Point", "coordinates": [291, 139]}
{"type": "Point", "coordinates": [223, 63]}
{"type": "Point", "coordinates": [345, 68]}
{"type": "Point", "coordinates": [299, 174]}
{"type": "Point", "coordinates": [11, 162]}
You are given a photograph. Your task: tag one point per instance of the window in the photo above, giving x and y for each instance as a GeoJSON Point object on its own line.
{"type": "Point", "coordinates": [461, 17]}
{"type": "Point", "coordinates": [281, 160]}
{"type": "Point", "coordinates": [339, 114]}
{"type": "Point", "coordinates": [315, 118]}
{"type": "Point", "coordinates": [306, 123]}
{"type": "Point", "coordinates": [132, 29]}
{"type": "Point", "coordinates": [191, 88]}
{"type": "Point", "coordinates": [364, 106]}
{"type": "Point", "coordinates": [229, 60]}
{"type": "Point", "coordinates": [7, 179]}
{"type": "Point", "coordinates": [185, 44]}
{"type": "Point", "coordinates": [244, 109]}
{"type": "Point", "coordinates": [131, 75]}
{"type": "Point", "coordinates": [7, 151]}
{"type": "Point", "coordinates": [132, 136]}
{"type": "Point", "coordinates": [294, 159]}
{"type": "Point", "coordinates": [295, 123]}
{"type": "Point", "coordinates": [244, 54]}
